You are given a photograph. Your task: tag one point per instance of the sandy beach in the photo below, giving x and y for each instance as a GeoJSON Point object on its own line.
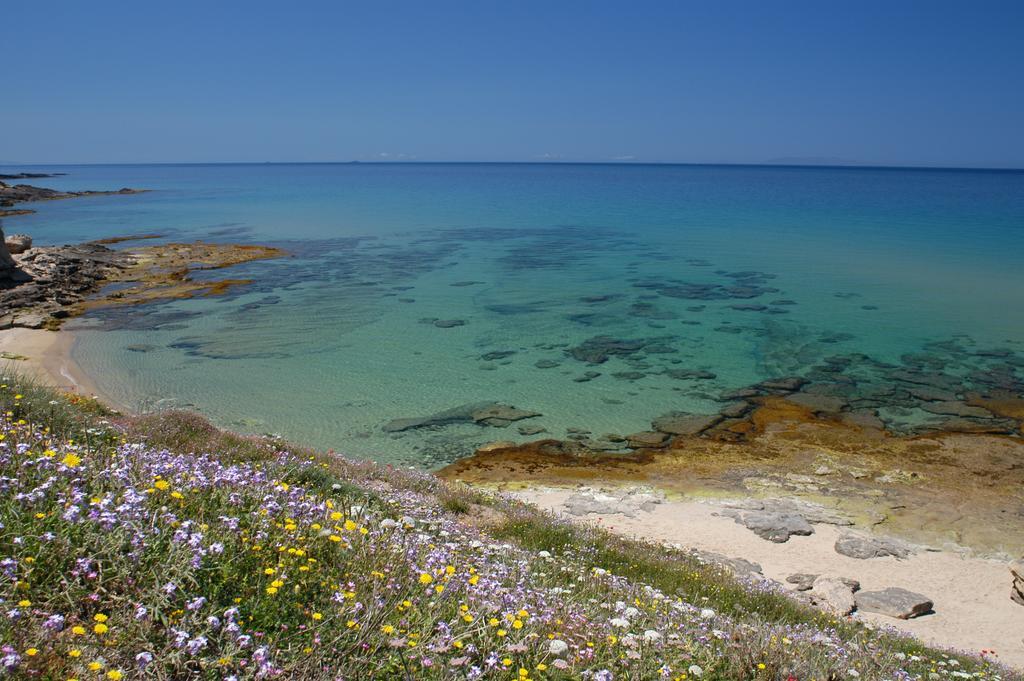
{"type": "Point", "coordinates": [47, 357]}
{"type": "Point", "coordinates": [972, 607]}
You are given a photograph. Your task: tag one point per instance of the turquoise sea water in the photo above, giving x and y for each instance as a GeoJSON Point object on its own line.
{"type": "Point", "coordinates": [741, 272]}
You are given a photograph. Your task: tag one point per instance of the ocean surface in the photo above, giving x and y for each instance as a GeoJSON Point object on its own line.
{"type": "Point", "coordinates": [417, 288]}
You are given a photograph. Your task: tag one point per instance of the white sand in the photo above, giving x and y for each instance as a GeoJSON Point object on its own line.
{"type": "Point", "coordinates": [973, 610]}
{"type": "Point", "coordinates": [47, 358]}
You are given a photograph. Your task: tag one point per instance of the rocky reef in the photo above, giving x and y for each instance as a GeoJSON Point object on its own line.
{"type": "Point", "coordinates": [40, 287]}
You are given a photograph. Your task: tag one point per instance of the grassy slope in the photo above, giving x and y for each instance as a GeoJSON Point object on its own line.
{"type": "Point", "coordinates": [161, 547]}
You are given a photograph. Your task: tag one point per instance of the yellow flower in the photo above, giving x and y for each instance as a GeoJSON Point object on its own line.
{"type": "Point", "coordinates": [425, 578]}
{"type": "Point", "coordinates": [387, 629]}
{"type": "Point", "coordinates": [271, 590]}
{"type": "Point", "coordinates": [349, 525]}
{"type": "Point", "coordinates": [517, 624]}
{"type": "Point", "coordinates": [449, 570]}
{"type": "Point", "coordinates": [317, 616]}
{"type": "Point", "coordinates": [161, 484]}
{"type": "Point", "coordinates": [101, 628]}
{"type": "Point", "coordinates": [467, 618]}
{"type": "Point", "coordinates": [474, 579]}
{"type": "Point", "coordinates": [78, 630]}
{"type": "Point", "coordinates": [269, 571]}
{"type": "Point", "coordinates": [71, 460]}
{"type": "Point", "coordinates": [439, 588]}
{"type": "Point", "coordinates": [114, 675]}
{"type": "Point", "coordinates": [74, 652]}
{"type": "Point", "coordinates": [507, 662]}
{"type": "Point", "coordinates": [31, 652]}
{"type": "Point", "coordinates": [502, 633]}
{"type": "Point", "coordinates": [760, 665]}
{"type": "Point", "coordinates": [95, 666]}
{"type": "Point", "coordinates": [100, 617]}
{"type": "Point", "coordinates": [336, 516]}
{"type": "Point", "coordinates": [177, 495]}
{"type": "Point", "coordinates": [334, 538]}
{"type": "Point", "coordinates": [24, 603]}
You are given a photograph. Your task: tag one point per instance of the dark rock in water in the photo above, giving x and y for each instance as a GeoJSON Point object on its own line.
{"type": "Point", "coordinates": [531, 430]}
{"type": "Point", "coordinates": [681, 423]}
{"type": "Point", "coordinates": [955, 408]}
{"type": "Point", "coordinates": [546, 364]}
{"type": "Point", "coordinates": [599, 299]}
{"type": "Point", "coordinates": [687, 374]}
{"type": "Point", "coordinates": [749, 307]}
{"type": "Point", "coordinates": [599, 349]}
{"type": "Point", "coordinates": [500, 415]}
{"type": "Point", "coordinates": [466, 283]}
{"type": "Point", "coordinates": [866, 546]}
{"type": "Point", "coordinates": [696, 308]}
{"type": "Point", "coordinates": [486, 413]}
{"type": "Point", "coordinates": [497, 354]}
{"type": "Point", "coordinates": [929, 394]}
{"type": "Point", "coordinates": [869, 307]}
{"type": "Point", "coordinates": [140, 347]}
{"type": "Point", "coordinates": [741, 394]}
{"type": "Point", "coordinates": [787, 384]}
{"type": "Point", "coordinates": [828, 404]}
{"type": "Point", "coordinates": [784, 301]}
{"type": "Point", "coordinates": [736, 409]}
{"type": "Point", "coordinates": [629, 375]}
{"type": "Point", "coordinates": [864, 419]}
{"type": "Point", "coordinates": [587, 376]}
{"type": "Point", "coordinates": [647, 439]}
{"type": "Point", "coordinates": [659, 349]}
{"type": "Point", "coordinates": [449, 323]}
{"type": "Point", "coordinates": [894, 602]}
{"type": "Point", "coordinates": [978, 427]}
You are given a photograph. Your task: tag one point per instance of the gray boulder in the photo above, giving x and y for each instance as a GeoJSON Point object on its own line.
{"type": "Point", "coordinates": [1017, 590]}
{"type": "Point", "coordinates": [834, 594]}
{"type": "Point", "coordinates": [18, 243]}
{"type": "Point", "coordinates": [775, 527]}
{"type": "Point", "coordinates": [866, 546]}
{"type": "Point", "coordinates": [894, 602]}
{"type": "Point", "coordinates": [647, 439]}
{"type": "Point", "coordinates": [802, 581]}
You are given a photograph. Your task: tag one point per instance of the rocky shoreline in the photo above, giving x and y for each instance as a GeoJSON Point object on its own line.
{"type": "Point", "coordinates": [26, 193]}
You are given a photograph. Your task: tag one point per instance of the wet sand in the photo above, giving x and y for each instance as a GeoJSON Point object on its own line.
{"type": "Point", "coordinates": [47, 357]}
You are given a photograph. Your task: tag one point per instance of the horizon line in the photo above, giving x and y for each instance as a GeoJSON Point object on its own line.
{"type": "Point", "coordinates": [764, 164]}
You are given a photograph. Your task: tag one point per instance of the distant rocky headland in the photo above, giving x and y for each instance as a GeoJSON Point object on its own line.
{"type": "Point", "coordinates": [40, 287]}
{"type": "Point", "coordinates": [25, 193]}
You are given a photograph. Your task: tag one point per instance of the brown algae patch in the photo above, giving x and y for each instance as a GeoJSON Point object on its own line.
{"type": "Point", "coordinates": [940, 488]}
{"type": "Point", "coordinates": [166, 272]}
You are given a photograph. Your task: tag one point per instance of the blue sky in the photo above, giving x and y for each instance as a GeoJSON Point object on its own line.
{"type": "Point", "coordinates": [893, 82]}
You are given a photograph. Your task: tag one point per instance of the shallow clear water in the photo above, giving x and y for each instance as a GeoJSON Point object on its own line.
{"type": "Point", "coordinates": [743, 272]}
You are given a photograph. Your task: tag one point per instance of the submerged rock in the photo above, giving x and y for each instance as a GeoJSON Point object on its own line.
{"type": "Point", "coordinates": [485, 413]}
{"type": "Point", "coordinates": [449, 323]}
{"type": "Point", "coordinates": [681, 423]}
{"type": "Point", "coordinates": [647, 439]}
{"type": "Point", "coordinates": [894, 602]}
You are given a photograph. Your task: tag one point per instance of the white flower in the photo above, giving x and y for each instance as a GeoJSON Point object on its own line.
{"type": "Point", "coordinates": [695, 670]}
{"type": "Point", "coordinates": [544, 554]}
{"type": "Point", "coordinates": [707, 613]}
{"type": "Point", "coordinates": [853, 672]}
{"type": "Point", "coordinates": [652, 636]}
{"type": "Point", "coordinates": [558, 647]}
{"type": "Point", "coordinates": [600, 571]}
{"type": "Point", "coordinates": [388, 523]}
{"type": "Point", "coordinates": [631, 612]}
{"type": "Point", "coordinates": [620, 622]}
